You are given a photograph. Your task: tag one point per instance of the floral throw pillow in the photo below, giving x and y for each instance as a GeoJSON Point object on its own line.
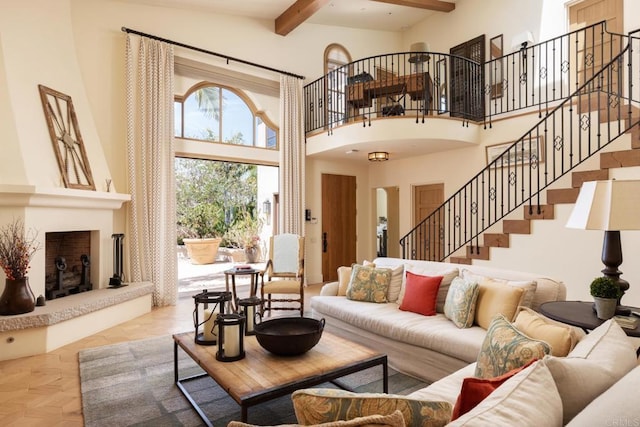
{"type": "Point", "coordinates": [368, 284]}
{"type": "Point", "coordinates": [460, 305]}
{"type": "Point", "coordinates": [505, 348]}
{"type": "Point", "coordinates": [321, 405]}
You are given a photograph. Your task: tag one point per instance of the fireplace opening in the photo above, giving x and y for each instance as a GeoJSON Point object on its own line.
{"type": "Point", "coordinates": [67, 263]}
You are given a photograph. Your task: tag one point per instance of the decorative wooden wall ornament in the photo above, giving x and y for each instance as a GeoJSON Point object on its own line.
{"type": "Point", "coordinates": [67, 141]}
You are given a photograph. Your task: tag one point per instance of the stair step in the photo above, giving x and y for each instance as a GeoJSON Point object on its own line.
{"type": "Point", "coordinates": [496, 240]}
{"type": "Point", "coordinates": [577, 178]}
{"type": "Point", "coordinates": [516, 226]}
{"type": "Point", "coordinates": [459, 260]}
{"type": "Point", "coordinates": [478, 252]}
{"type": "Point", "coordinates": [546, 212]}
{"type": "Point", "coordinates": [591, 102]}
{"type": "Point", "coordinates": [620, 159]}
{"type": "Point", "coordinates": [635, 136]}
{"type": "Point", "coordinates": [621, 113]}
{"type": "Point", "coordinates": [562, 195]}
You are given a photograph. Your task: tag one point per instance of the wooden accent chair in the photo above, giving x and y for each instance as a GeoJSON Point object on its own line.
{"type": "Point", "coordinates": [285, 274]}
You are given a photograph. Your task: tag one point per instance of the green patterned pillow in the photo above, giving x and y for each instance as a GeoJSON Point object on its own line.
{"type": "Point", "coordinates": [318, 405]}
{"type": "Point", "coordinates": [368, 284]}
{"type": "Point", "coordinates": [460, 305]}
{"type": "Point", "coordinates": [505, 348]}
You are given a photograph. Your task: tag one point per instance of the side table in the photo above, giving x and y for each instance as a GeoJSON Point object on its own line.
{"type": "Point", "coordinates": [233, 272]}
{"type": "Point", "coordinates": [580, 314]}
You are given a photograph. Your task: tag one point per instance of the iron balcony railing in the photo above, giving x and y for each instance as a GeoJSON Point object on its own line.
{"type": "Point", "coordinates": [597, 112]}
{"type": "Point", "coordinates": [426, 83]}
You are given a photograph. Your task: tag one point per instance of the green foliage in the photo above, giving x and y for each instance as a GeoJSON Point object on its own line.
{"type": "Point", "coordinates": [244, 232]}
{"type": "Point", "coordinates": [210, 195]}
{"type": "Point", "coordinates": [605, 287]}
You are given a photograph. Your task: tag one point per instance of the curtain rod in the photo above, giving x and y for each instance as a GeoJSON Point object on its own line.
{"type": "Point", "coordinates": [228, 58]}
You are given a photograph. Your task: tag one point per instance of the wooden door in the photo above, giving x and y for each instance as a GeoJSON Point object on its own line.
{"type": "Point", "coordinates": [594, 50]}
{"type": "Point", "coordinates": [338, 224]}
{"type": "Point", "coordinates": [428, 244]}
{"type": "Point", "coordinates": [467, 80]}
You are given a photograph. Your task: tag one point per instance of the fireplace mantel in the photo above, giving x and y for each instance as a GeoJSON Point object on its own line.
{"type": "Point", "coordinates": [32, 196]}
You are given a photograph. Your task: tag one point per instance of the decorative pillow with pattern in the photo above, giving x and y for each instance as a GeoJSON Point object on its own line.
{"type": "Point", "coordinates": [393, 420]}
{"type": "Point", "coordinates": [368, 284]}
{"type": "Point", "coordinates": [506, 348]}
{"type": "Point", "coordinates": [319, 405]}
{"type": "Point", "coordinates": [344, 276]}
{"type": "Point", "coordinates": [460, 305]}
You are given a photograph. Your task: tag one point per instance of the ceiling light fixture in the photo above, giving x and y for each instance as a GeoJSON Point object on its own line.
{"type": "Point", "coordinates": [378, 156]}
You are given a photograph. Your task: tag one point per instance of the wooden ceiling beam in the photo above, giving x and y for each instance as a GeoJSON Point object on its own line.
{"type": "Point", "coordinates": [437, 5]}
{"type": "Point", "coordinates": [296, 14]}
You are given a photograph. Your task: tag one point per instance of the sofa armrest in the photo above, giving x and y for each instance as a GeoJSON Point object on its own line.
{"type": "Point", "coordinates": [329, 289]}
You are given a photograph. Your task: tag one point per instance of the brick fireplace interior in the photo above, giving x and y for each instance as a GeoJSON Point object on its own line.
{"type": "Point", "coordinates": [67, 263]}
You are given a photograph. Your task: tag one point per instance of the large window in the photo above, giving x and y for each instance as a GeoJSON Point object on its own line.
{"type": "Point", "coordinates": [220, 114]}
{"type": "Point", "coordinates": [335, 59]}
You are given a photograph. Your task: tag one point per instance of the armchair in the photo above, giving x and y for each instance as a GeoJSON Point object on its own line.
{"type": "Point", "coordinates": [284, 273]}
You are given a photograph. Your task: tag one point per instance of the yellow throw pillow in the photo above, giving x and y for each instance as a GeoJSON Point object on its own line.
{"type": "Point", "coordinates": [394, 419]}
{"type": "Point", "coordinates": [496, 298]}
{"type": "Point", "coordinates": [561, 337]}
{"type": "Point", "coordinates": [344, 275]}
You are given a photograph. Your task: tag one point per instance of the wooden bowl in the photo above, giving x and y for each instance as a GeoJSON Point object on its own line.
{"type": "Point", "coordinates": [289, 336]}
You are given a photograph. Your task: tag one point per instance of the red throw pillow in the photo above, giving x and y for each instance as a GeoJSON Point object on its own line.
{"type": "Point", "coordinates": [420, 294]}
{"type": "Point", "coordinates": [475, 390]}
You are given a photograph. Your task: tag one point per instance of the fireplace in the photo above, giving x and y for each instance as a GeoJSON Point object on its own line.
{"type": "Point", "coordinates": [67, 263]}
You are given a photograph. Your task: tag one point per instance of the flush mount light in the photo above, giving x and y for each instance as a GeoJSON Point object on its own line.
{"type": "Point", "coordinates": [378, 156]}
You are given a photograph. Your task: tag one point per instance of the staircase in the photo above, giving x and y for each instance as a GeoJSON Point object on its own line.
{"type": "Point", "coordinates": [597, 113]}
{"type": "Point", "coordinates": [555, 196]}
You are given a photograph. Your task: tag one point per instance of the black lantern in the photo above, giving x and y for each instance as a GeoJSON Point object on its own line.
{"type": "Point", "coordinates": [230, 337]}
{"type": "Point", "coordinates": [249, 307]}
{"type": "Point", "coordinates": [206, 330]}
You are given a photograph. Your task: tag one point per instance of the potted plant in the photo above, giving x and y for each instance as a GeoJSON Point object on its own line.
{"type": "Point", "coordinates": [245, 234]}
{"type": "Point", "coordinates": [16, 251]}
{"type": "Point", "coordinates": [200, 228]}
{"type": "Point", "coordinates": [605, 292]}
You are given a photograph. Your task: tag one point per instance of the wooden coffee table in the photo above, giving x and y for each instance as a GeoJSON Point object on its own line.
{"type": "Point", "coordinates": [262, 376]}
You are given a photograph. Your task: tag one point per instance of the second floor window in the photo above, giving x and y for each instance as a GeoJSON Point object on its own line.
{"type": "Point", "coordinates": [219, 114]}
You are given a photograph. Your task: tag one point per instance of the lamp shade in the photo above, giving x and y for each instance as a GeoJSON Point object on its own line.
{"type": "Point", "coordinates": [418, 52]}
{"type": "Point", "coordinates": [607, 205]}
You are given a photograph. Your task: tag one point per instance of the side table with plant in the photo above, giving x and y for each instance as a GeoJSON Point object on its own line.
{"type": "Point", "coordinates": [605, 293]}
{"type": "Point", "coordinates": [16, 252]}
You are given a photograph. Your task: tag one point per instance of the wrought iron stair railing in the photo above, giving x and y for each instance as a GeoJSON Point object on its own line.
{"type": "Point", "coordinates": [600, 110]}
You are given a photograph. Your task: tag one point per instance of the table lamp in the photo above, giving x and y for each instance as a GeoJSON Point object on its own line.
{"type": "Point", "coordinates": [611, 206]}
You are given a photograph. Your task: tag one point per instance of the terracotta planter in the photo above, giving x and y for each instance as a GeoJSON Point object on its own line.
{"type": "Point", "coordinates": [17, 297]}
{"type": "Point", "coordinates": [202, 251]}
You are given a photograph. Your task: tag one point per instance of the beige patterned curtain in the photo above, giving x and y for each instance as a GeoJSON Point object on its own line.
{"type": "Point", "coordinates": [151, 229]}
{"type": "Point", "coordinates": [292, 156]}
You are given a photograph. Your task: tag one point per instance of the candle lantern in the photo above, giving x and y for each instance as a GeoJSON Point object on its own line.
{"type": "Point", "coordinates": [230, 337]}
{"type": "Point", "coordinates": [213, 304]}
{"type": "Point", "coordinates": [249, 307]}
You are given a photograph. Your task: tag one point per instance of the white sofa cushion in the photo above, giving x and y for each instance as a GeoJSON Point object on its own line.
{"type": "Point", "coordinates": [618, 406]}
{"type": "Point", "coordinates": [599, 360]}
{"type": "Point", "coordinates": [529, 398]}
{"type": "Point", "coordinates": [433, 332]}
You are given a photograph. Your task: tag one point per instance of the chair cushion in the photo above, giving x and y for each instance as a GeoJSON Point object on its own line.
{"type": "Point", "coordinates": [460, 305]}
{"type": "Point", "coordinates": [505, 348]}
{"type": "Point", "coordinates": [420, 294]}
{"type": "Point", "coordinates": [369, 284]}
{"type": "Point", "coordinates": [318, 405]}
{"type": "Point", "coordinates": [282, 286]}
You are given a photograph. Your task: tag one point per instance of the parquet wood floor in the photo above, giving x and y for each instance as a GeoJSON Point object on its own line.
{"type": "Point", "coordinates": [44, 390]}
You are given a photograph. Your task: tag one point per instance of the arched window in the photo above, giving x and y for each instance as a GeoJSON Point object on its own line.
{"type": "Point", "coordinates": [335, 57]}
{"type": "Point", "coordinates": [215, 113]}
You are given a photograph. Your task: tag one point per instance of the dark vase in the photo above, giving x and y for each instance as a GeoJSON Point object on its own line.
{"type": "Point", "coordinates": [17, 297]}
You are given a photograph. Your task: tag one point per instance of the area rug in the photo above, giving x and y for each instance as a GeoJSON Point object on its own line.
{"type": "Point", "coordinates": [132, 384]}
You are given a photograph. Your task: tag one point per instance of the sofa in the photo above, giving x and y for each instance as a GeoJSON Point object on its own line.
{"type": "Point", "coordinates": [427, 347]}
{"type": "Point", "coordinates": [569, 378]}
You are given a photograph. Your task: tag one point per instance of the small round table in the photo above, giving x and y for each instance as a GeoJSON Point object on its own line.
{"type": "Point", "coordinates": [233, 272]}
{"type": "Point", "coordinates": [580, 314]}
